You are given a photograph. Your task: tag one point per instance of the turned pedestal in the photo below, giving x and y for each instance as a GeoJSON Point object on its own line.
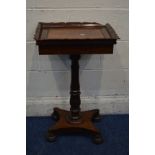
{"type": "Point", "coordinates": [75, 120]}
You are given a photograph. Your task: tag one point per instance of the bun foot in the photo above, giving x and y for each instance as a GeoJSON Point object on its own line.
{"type": "Point", "coordinates": [55, 116]}
{"type": "Point", "coordinates": [96, 115]}
{"type": "Point", "coordinates": [51, 137]}
{"type": "Point", "coordinates": [97, 118]}
{"type": "Point", "coordinates": [97, 139]}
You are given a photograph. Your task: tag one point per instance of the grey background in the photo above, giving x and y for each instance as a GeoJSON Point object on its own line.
{"type": "Point", "coordinates": [104, 78]}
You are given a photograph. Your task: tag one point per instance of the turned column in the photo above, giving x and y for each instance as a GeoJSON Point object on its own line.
{"type": "Point", "coordinates": [75, 89]}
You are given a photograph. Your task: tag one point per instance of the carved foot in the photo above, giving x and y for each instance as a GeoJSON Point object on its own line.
{"type": "Point", "coordinates": [96, 115]}
{"type": "Point", "coordinates": [55, 115]}
{"type": "Point", "coordinates": [97, 139]}
{"type": "Point", "coordinates": [51, 137]}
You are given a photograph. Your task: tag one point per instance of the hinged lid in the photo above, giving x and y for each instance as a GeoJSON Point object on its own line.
{"type": "Point", "coordinates": [74, 31]}
{"type": "Point", "coordinates": [75, 38]}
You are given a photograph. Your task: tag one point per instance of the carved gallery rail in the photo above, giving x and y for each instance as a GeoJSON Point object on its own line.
{"type": "Point", "coordinates": [74, 39]}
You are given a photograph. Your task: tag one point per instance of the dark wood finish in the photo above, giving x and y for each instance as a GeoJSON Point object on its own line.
{"type": "Point", "coordinates": [75, 39]}
{"type": "Point", "coordinates": [84, 125]}
{"type": "Point", "coordinates": [75, 89]}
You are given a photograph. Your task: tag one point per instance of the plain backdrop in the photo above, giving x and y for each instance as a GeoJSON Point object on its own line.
{"type": "Point", "coordinates": [13, 77]}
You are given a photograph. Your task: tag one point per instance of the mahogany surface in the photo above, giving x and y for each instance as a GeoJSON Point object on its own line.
{"type": "Point", "coordinates": [75, 39]}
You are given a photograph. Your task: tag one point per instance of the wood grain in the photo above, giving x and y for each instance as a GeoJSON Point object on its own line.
{"type": "Point", "coordinates": [75, 38]}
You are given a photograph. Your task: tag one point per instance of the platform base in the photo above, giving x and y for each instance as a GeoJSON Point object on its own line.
{"type": "Point", "coordinates": [64, 124]}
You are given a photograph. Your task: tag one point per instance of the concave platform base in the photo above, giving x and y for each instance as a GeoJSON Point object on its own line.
{"type": "Point", "coordinates": [84, 124]}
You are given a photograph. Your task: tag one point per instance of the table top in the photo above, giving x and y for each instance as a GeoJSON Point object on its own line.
{"type": "Point", "coordinates": [75, 38]}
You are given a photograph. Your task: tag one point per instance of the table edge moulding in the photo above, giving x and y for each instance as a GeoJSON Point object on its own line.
{"type": "Point", "coordinates": [75, 39]}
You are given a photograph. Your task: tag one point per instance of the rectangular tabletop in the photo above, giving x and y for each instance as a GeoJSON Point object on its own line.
{"type": "Point", "coordinates": [75, 38]}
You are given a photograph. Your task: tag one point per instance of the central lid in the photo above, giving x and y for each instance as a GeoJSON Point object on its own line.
{"type": "Point", "coordinates": [74, 33]}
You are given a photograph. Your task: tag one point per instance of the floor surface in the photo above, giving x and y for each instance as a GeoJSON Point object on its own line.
{"type": "Point", "coordinates": [114, 128]}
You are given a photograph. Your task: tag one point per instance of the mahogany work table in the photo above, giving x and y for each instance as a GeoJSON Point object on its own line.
{"type": "Point", "coordinates": [74, 39]}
